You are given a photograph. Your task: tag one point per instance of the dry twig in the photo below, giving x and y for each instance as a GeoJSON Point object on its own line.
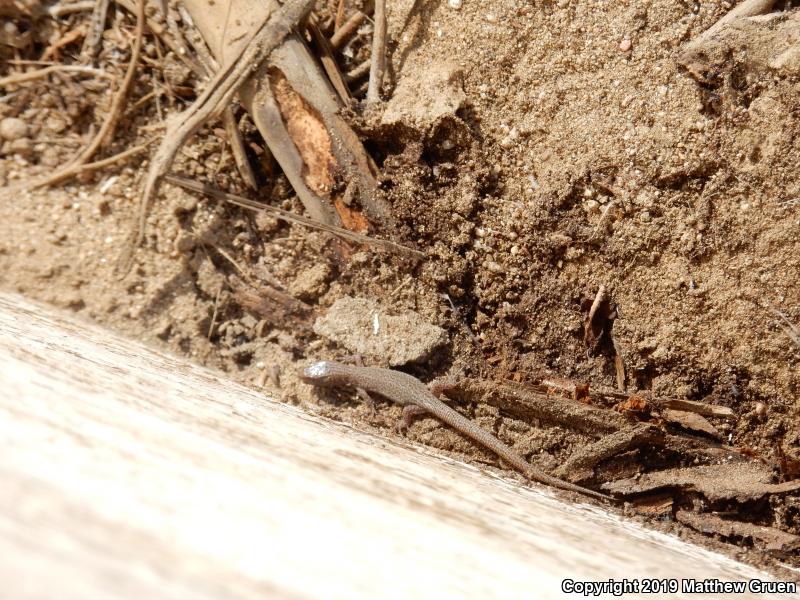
{"type": "Point", "coordinates": [326, 57]}
{"type": "Point", "coordinates": [17, 78]}
{"type": "Point", "coordinates": [378, 54]}
{"type": "Point", "coordinates": [214, 98]}
{"type": "Point", "coordinates": [291, 217]}
{"type": "Point", "coordinates": [65, 40]}
{"type": "Point", "coordinates": [343, 34]}
{"type": "Point", "coordinates": [337, 23]}
{"type": "Point", "coordinates": [61, 9]}
{"type": "Point", "coordinates": [78, 164]}
{"type": "Point", "coordinates": [358, 72]}
{"type": "Point", "coordinates": [111, 160]}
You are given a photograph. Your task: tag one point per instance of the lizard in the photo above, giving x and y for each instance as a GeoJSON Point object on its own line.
{"type": "Point", "coordinates": [409, 392]}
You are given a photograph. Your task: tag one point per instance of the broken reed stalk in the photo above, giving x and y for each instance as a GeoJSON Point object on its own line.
{"type": "Point", "coordinates": [337, 23]}
{"type": "Point", "coordinates": [219, 92]}
{"type": "Point", "coordinates": [342, 35]}
{"type": "Point", "coordinates": [290, 217]}
{"type": "Point", "coordinates": [378, 54]}
{"type": "Point", "coordinates": [78, 164]}
{"type": "Point", "coordinates": [358, 72]}
{"type": "Point", "coordinates": [39, 73]}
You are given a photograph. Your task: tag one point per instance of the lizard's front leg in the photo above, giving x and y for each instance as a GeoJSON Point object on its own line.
{"type": "Point", "coordinates": [410, 412]}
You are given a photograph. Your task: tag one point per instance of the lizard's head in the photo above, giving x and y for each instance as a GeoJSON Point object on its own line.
{"type": "Point", "coordinates": [317, 372]}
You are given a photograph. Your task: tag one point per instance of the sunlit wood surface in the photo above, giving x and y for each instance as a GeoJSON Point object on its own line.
{"type": "Point", "coordinates": [128, 473]}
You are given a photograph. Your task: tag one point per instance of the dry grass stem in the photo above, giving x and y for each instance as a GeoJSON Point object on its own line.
{"type": "Point", "coordinates": [78, 164]}
{"type": "Point", "coordinates": [293, 218]}
{"type": "Point", "coordinates": [378, 54]}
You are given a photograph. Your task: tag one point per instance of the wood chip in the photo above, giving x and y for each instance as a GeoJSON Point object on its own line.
{"type": "Point", "coordinates": [580, 466]}
{"type": "Point", "coordinates": [523, 400]}
{"type": "Point", "coordinates": [768, 537]}
{"type": "Point", "coordinates": [742, 481]}
{"type": "Point", "coordinates": [690, 421]}
{"type": "Point", "coordinates": [653, 506]}
{"type": "Point", "coordinates": [701, 408]}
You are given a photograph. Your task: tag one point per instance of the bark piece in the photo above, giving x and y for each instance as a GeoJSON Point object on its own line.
{"type": "Point", "coordinates": [690, 421]}
{"type": "Point", "coordinates": [522, 400]}
{"type": "Point", "coordinates": [701, 408]}
{"type": "Point", "coordinates": [580, 466]}
{"type": "Point", "coordinates": [769, 537]}
{"type": "Point", "coordinates": [658, 505]}
{"type": "Point", "coordinates": [741, 481]}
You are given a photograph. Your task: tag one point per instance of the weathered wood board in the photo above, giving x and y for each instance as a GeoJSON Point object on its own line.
{"type": "Point", "coordinates": [128, 473]}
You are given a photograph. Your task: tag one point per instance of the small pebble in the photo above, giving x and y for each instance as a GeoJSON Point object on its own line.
{"type": "Point", "coordinates": [12, 128]}
{"type": "Point", "coordinates": [493, 266]}
{"type": "Point", "coordinates": [22, 146]}
{"type": "Point", "coordinates": [49, 157]}
{"type": "Point", "coordinates": [761, 409]}
{"type": "Point", "coordinates": [185, 243]}
{"type": "Point", "coordinates": [55, 124]}
{"type": "Point", "coordinates": [625, 45]}
{"type": "Point", "coordinates": [454, 3]}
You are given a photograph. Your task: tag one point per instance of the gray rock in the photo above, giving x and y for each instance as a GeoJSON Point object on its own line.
{"type": "Point", "coordinates": [12, 128]}
{"type": "Point", "coordinates": [424, 97]}
{"type": "Point", "coordinates": [363, 327]}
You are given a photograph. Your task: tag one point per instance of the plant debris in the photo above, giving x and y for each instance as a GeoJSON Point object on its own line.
{"type": "Point", "coordinates": [690, 421]}
{"type": "Point", "coordinates": [741, 481]}
{"type": "Point", "coordinates": [770, 538]}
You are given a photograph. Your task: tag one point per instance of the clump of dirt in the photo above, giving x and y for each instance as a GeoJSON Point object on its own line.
{"type": "Point", "coordinates": [565, 146]}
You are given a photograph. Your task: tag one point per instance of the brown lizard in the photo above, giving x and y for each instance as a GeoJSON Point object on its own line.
{"type": "Point", "coordinates": [414, 396]}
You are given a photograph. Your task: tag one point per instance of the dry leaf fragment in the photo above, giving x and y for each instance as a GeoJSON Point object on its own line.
{"type": "Point", "coordinates": [690, 421]}
{"type": "Point", "coordinates": [633, 404]}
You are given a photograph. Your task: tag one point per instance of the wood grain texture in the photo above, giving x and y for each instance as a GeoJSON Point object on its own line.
{"type": "Point", "coordinates": [128, 473]}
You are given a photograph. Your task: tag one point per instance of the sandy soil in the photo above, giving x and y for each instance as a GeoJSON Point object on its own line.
{"type": "Point", "coordinates": [534, 152]}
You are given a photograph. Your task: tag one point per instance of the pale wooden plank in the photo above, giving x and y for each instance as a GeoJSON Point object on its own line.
{"type": "Point", "coordinates": [127, 473]}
